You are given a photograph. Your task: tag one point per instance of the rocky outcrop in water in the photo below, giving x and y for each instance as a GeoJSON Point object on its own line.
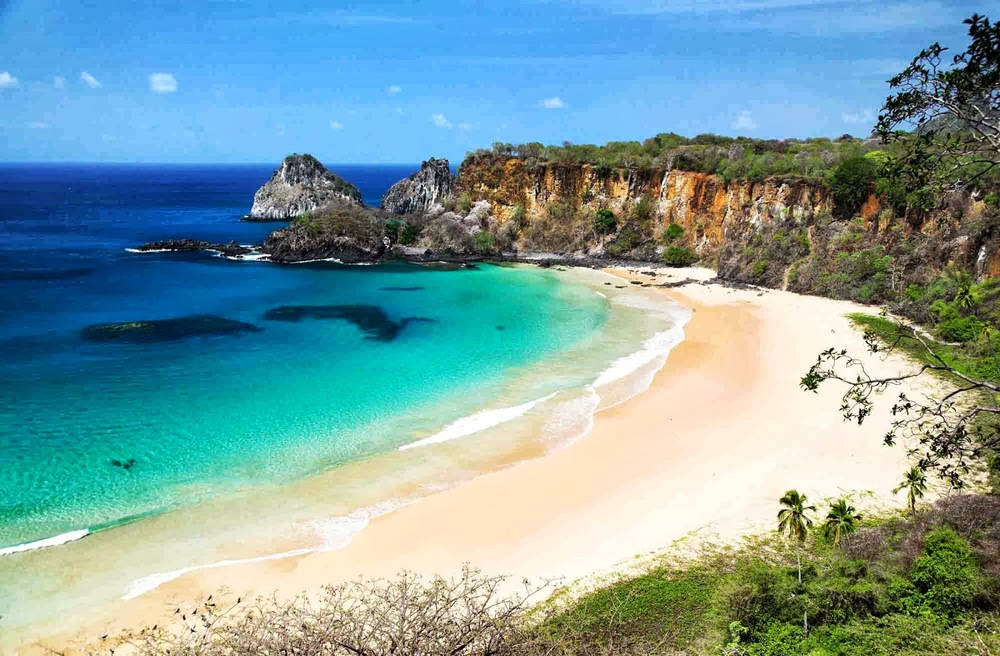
{"type": "Point", "coordinates": [431, 185]}
{"type": "Point", "coordinates": [232, 249]}
{"type": "Point", "coordinates": [300, 186]}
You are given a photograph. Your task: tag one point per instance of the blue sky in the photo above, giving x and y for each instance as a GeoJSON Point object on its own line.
{"type": "Point", "coordinates": [382, 81]}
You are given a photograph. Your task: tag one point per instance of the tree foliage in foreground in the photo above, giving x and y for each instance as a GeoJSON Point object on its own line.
{"type": "Point", "coordinates": [948, 434]}
{"type": "Point", "coordinates": [954, 105]}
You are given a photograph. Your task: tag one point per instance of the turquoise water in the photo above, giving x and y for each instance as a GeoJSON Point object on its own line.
{"type": "Point", "coordinates": [204, 415]}
{"type": "Point", "coordinates": [181, 409]}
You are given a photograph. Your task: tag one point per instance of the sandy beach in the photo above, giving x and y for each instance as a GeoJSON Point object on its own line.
{"type": "Point", "coordinates": [722, 432]}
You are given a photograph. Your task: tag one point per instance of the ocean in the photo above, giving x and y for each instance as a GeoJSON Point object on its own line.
{"type": "Point", "coordinates": [250, 381]}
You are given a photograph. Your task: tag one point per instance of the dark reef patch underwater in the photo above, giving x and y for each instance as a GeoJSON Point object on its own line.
{"type": "Point", "coordinates": [165, 330]}
{"type": "Point", "coordinates": [370, 319]}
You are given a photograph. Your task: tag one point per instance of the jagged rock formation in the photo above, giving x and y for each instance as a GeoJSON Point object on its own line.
{"type": "Point", "coordinates": [301, 185]}
{"type": "Point", "coordinates": [431, 185]}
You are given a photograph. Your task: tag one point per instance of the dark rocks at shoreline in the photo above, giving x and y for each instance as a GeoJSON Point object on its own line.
{"type": "Point", "coordinates": [300, 186]}
{"type": "Point", "coordinates": [372, 320]}
{"type": "Point", "coordinates": [165, 330]}
{"type": "Point", "coordinates": [431, 185]}
{"type": "Point", "coordinates": [232, 249]}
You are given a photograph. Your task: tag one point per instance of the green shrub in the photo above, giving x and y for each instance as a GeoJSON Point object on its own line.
{"type": "Point", "coordinates": [642, 211]}
{"type": "Point", "coordinates": [946, 572]}
{"type": "Point", "coordinates": [628, 239]}
{"type": "Point", "coordinates": [605, 222]}
{"type": "Point", "coordinates": [678, 256]}
{"type": "Point", "coordinates": [673, 232]}
{"type": "Point", "coordinates": [392, 229]}
{"type": "Point", "coordinates": [519, 216]}
{"type": "Point", "coordinates": [850, 184]}
{"type": "Point", "coordinates": [464, 202]}
{"type": "Point", "coordinates": [758, 596]}
{"type": "Point", "coordinates": [409, 234]}
{"type": "Point", "coordinates": [483, 242]}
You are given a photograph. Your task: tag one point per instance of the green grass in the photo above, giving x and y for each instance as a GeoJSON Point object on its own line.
{"type": "Point", "coordinates": [965, 358]}
{"type": "Point", "coordinates": [897, 586]}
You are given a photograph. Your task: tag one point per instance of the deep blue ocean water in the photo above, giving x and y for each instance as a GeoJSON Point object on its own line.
{"type": "Point", "coordinates": [98, 430]}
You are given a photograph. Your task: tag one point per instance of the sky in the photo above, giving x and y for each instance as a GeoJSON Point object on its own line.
{"type": "Point", "coordinates": [395, 81]}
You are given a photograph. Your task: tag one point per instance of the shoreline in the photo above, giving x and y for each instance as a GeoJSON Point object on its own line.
{"type": "Point", "coordinates": [636, 482]}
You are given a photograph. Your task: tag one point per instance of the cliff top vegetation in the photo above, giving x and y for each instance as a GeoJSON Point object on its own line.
{"type": "Point", "coordinates": [733, 158]}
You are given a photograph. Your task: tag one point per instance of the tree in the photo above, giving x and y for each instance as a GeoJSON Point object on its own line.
{"type": "Point", "coordinates": [840, 521]}
{"type": "Point", "coordinates": [850, 184]}
{"type": "Point", "coordinates": [955, 110]}
{"type": "Point", "coordinates": [794, 521]}
{"type": "Point", "coordinates": [605, 222]}
{"type": "Point", "coordinates": [915, 484]}
{"type": "Point", "coordinates": [948, 430]}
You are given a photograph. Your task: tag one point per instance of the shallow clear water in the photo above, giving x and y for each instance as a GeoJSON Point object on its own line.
{"type": "Point", "coordinates": [262, 378]}
{"type": "Point", "coordinates": [188, 416]}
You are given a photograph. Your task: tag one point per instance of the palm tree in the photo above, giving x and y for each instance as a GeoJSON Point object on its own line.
{"type": "Point", "coordinates": [965, 297]}
{"type": "Point", "coordinates": [915, 484]}
{"type": "Point", "coordinates": [793, 520]}
{"type": "Point", "coordinates": [840, 520]}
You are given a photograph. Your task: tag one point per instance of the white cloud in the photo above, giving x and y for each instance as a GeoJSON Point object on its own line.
{"type": "Point", "coordinates": [555, 102]}
{"type": "Point", "coordinates": [90, 80]}
{"type": "Point", "coordinates": [744, 122]}
{"type": "Point", "coordinates": [336, 125]}
{"type": "Point", "coordinates": [441, 121]}
{"type": "Point", "coordinates": [38, 125]}
{"type": "Point", "coordinates": [162, 83]}
{"type": "Point", "coordinates": [395, 88]}
{"type": "Point", "coordinates": [59, 82]}
{"type": "Point", "coordinates": [864, 116]}
{"type": "Point", "coordinates": [7, 81]}
{"type": "Point", "coordinates": [467, 125]}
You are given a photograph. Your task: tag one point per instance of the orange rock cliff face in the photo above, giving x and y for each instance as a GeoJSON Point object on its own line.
{"type": "Point", "coordinates": [780, 232]}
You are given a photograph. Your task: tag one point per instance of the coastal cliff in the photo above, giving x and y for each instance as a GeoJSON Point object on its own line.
{"type": "Point", "coordinates": [784, 232]}
{"type": "Point", "coordinates": [301, 185]}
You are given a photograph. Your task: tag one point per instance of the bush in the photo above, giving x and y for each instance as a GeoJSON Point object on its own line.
{"type": "Point", "coordinates": [850, 184]}
{"type": "Point", "coordinates": [678, 256]}
{"type": "Point", "coordinates": [464, 202]}
{"type": "Point", "coordinates": [483, 242]}
{"type": "Point", "coordinates": [605, 222]}
{"type": "Point", "coordinates": [946, 573]}
{"type": "Point", "coordinates": [642, 211]}
{"type": "Point", "coordinates": [758, 597]}
{"type": "Point", "coordinates": [409, 234]}
{"type": "Point", "coordinates": [673, 232]}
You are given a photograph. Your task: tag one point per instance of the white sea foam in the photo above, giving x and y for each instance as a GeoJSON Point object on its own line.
{"type": "Point", "coordinates": [150, 250]}
{"type": "Point", "coordinates": [145, 584]}
{"type": "Point", "coordinates": [571, 419]}
{"type": "Point", "coordinates": [334, 260]}
{"type": "Point", "coordinates": [54, 541]}
{"type": "Point", "coordinates": [334, 533]}
{"type": "Point", "coordinates": [601, 294]}
{"type": "Point", "coordinates": [477, 422]}
{"type": "Point", "coordinates": [657, 346]}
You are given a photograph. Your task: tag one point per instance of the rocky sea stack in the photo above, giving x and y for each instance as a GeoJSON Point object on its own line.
{"type": "Point", "coordinates": [417, 194]}
{"type": "Point", "coordinates": [301, 185]}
